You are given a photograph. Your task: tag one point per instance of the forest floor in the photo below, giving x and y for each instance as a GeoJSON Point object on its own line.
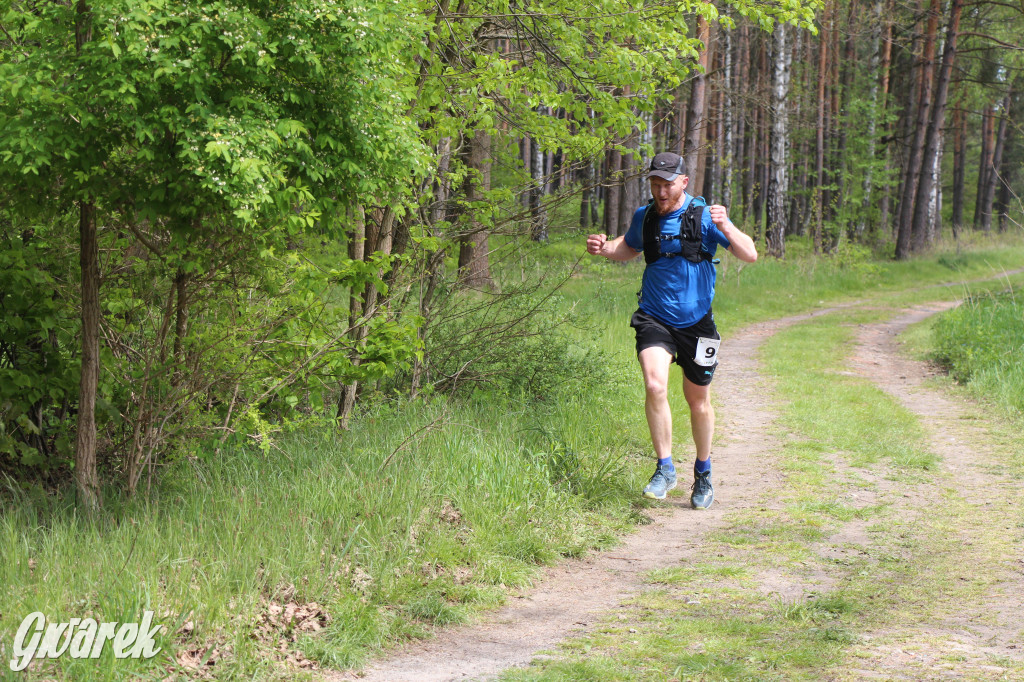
{"type": "Point", "coordinates": [925, 563]}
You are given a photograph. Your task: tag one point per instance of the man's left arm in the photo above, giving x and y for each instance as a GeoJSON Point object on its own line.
{"type": "Point", "coordinates": [740, 245]}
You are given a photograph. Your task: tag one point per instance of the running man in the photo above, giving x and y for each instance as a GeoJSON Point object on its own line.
{"type": "Point", "coordinates": [674, 322]}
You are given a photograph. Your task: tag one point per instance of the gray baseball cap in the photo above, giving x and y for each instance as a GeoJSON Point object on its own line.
{"type": "Point", "coordinates": [667, 166]}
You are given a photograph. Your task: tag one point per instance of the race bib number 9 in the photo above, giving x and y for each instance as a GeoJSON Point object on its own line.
{"type": "Point", "coordinates": [707, 351]}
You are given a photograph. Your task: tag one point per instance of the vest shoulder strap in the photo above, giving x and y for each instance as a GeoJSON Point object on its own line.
{"type": "Point", "coordinates": [690, 233]}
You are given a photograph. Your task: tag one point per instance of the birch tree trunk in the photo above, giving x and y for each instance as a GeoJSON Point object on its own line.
{"type": "Point", "coordinates": [778, 180]}
{"type": "Point", "coordinates": [538, 188]}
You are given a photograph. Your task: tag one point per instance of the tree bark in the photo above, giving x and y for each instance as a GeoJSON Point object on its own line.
{"type": "Point", "coordinates": [87, 480]}
{"type": "Point", "coordinates": [915, 160]}
{"type": "Point", "coordinates": [991, 176]}
{"type": "Point", "coordinates": [984, 165]}
{"type": "Point", "coordinates": [920, 228]}
{"type": "Point", "coordinates": [613, 194]}
{"type": "Point", "coordinates": [726, 158]}
{"type": "Point", "coordinates": [474, 258]}
{"type": "Point", "coordinates": [356, 252]}
{"type": "Point", "coordinates": [778, 181]}
{"type": "Point", "coordinates": [86, 474]}
{"type": "Point", "coordinates": [695, 117]}
{"type": "Point", "coordinates": [538, 188]}
{"type": "Point", "coordinates": [959, 169]}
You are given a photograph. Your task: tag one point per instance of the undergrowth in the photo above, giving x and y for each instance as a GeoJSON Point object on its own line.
{"type": "Point", "coordinates": [981, 343]}
{"type": "Point", "coordinates": [423, 514]}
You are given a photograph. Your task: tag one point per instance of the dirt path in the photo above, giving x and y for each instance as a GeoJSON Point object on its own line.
{"type": "Point", "coordinates": [974, 632]}
{"type": "Point", "coordinates": [571, 596]}
{"type": "Point", "coordinates": [962, 634]}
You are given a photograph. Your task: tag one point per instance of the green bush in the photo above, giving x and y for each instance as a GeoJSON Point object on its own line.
{"type": "Point", "coordinates": [981, 343]}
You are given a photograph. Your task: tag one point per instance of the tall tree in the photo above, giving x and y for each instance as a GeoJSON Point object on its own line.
{"type": "Point", "coordinates": [696, 121]}
{"type": "Point", "coordinates": [778, 181]}
{"type": "Point", "coordinates": [474, 264]}
{"type": "Point", "coordinates": [933, 136]}
{"type": "Point", "coordinates": [916, 155]}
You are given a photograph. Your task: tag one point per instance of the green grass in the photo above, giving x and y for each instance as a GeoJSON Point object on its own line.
{"type": "Point", "coordinates": [478, 493]}
{"type": "Point", "coordinates": [458, 516]}
{"type": "Point", "coordinates": [708, 620]}
{"type": "Point", "coordinates": [982, 344]}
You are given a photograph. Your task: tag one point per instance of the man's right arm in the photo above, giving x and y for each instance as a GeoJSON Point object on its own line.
{"type": "Point", "coordinates": [616, 249]}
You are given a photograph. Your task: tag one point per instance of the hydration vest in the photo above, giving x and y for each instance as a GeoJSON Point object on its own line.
{"type": "Point", "coordinates": [690, 236]}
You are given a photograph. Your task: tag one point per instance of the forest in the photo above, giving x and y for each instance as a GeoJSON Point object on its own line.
{"type": "Point", "coordinates": [222, 222]}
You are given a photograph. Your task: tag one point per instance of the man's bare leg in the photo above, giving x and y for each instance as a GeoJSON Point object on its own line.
{"type": "Point", "coordinates": [702, 416]}
{"type": "Point", "coordinates": [702, 424]}
{"type": "Point", "coordinates": [655, 363]}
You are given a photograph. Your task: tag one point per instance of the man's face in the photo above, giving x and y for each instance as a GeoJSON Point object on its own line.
{"type": "Point", "coordinates": [668, 195]}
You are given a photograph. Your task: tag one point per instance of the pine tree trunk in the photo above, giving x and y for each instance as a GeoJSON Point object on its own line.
{"type": "Point", "coordinates": [959, 169]}
{"type": "Point", "coordinates": [740, 154]}
{"type": "Point", "coordinates": [474, 258]}
{"type": "Point", "coordinates": [996, 160]}
{"type": "Point", "coordinates": [921, 226]}
{"type": "Point", "coordinates": [984, 165]}
{"type": "Point", "coordinates": [613, 194]}
{"type": "Point", "coordinates": [695, 119]}
{"type": "Point", "coordinates": [915, 159]}
{"type": "Point", "coordinates": [819, 149]}
{"type": "Point", "coordinates": [884, 201]}
{"type": "Point", "coordinates": [876, 58]}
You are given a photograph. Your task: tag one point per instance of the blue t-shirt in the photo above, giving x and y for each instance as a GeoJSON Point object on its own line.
{"type": "Point", "coordinates": [674, 290]}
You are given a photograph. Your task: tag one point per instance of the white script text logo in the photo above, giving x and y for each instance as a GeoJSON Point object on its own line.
{"type": "Point", "coordinates": [82, 638]}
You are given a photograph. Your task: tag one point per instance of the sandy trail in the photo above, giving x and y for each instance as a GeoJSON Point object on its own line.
{"type": "Point", "coordinates": [953, 638]}
{"type": "Point", "coordinates": [570, 598]}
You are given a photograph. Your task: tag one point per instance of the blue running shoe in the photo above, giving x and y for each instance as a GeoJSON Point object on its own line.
{"type": "Point", "coordinates": [661, 482]}
{"type": "Point", "coordinates": [703, 494]}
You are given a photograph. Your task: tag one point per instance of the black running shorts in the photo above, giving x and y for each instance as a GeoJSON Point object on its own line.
{"type": "Point", "coordinates": [681, 343]}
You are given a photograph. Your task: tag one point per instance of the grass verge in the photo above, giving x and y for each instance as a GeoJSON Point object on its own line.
{"type": "Point", "coordinates": [839, 573]}
{"type": "Point", "coordinates": [260, 564]}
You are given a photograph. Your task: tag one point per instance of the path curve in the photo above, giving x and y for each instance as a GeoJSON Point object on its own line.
{"type": "Point", "coordinates": [962, 640]}
{"type": "Point", "coordinates": [570, 598]}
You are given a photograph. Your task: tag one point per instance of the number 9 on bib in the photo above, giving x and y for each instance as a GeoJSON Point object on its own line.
{"type": "Point", "coordinates": [707, 351]}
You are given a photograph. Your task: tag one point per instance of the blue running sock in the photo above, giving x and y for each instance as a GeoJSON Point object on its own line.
{"type": "Point", "coordinates": [666, 464]}
{"type": "Point", "coordinates": [702, 467]}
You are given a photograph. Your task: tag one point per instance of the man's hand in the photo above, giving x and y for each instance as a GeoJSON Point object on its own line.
{"type": "Point", "coordinates": [741, 245]}
{"type": "Point", "coordinates": [595, 244]}
{"type": "Point", "coordinates": [719, 215]}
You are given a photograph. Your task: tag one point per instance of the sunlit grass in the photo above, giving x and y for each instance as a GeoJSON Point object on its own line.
{"type": "Point", "coordinates": [477, 494]}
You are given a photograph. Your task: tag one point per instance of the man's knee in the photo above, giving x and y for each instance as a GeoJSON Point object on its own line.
{"type": "Point", "coordinates": [698, 398]}
{"type": "Point", "coordinates": [700, 406]}
{"type": "Point", "coordinates": [657, 388]}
